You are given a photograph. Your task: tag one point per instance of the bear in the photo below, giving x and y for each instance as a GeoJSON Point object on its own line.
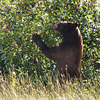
{"type": "Point", "coordinates": [68, 53]}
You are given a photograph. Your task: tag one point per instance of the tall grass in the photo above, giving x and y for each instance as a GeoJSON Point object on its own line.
{"type": "Point", "coordinates": [23, 88]}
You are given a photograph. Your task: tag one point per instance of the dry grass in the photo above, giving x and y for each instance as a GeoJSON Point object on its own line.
{"type": "Point", "coordinates": [24, 89]}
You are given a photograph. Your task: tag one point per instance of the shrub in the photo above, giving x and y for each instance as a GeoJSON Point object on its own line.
{"type": "Point", "coordinates": [20, 19]}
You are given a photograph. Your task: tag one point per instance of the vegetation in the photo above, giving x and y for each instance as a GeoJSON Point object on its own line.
{"type": "Point", "coordinates": [23, 67]}
{"type": "Point", "coordinates": [21, 88]}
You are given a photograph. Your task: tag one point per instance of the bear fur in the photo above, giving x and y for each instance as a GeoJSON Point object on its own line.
{"type": "Point", "coordinates": [68, 54]}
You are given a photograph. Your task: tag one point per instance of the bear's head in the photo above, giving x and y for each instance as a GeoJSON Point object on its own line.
{"type": "Point", "coordinates": [65, 26]}
{"type": "Point", "coordinates": [67, 29]}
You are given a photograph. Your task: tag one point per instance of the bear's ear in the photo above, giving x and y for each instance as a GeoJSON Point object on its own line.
{"type": "Point", "coordinates": [77, 24]}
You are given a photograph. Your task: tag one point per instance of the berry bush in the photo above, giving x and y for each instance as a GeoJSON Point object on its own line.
{"type": "Point", "coordinates": [22, 18]}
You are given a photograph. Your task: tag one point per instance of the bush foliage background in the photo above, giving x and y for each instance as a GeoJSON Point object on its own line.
{"type": "Point", "coordinates": [19, 19]}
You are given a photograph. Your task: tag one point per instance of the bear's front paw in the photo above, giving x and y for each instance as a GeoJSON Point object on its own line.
{"type": "Point", "coordinates": [36, 37]}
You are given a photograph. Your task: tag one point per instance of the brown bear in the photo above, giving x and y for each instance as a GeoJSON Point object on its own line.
{"type": "Point", "coordinates": [68, 54]}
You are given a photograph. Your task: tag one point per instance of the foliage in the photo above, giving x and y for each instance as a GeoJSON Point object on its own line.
{"type": "Point", "coordinates": [22, 18]}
